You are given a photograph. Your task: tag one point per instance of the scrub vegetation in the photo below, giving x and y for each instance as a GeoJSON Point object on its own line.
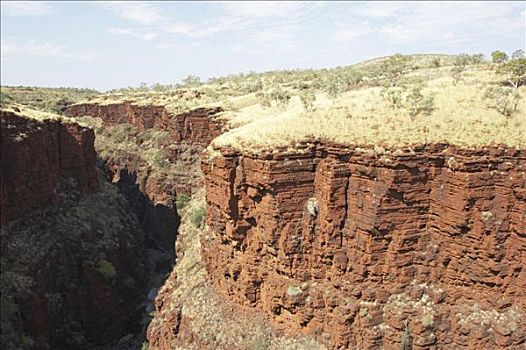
{"type": "Point", "coordinates": [388, 102]}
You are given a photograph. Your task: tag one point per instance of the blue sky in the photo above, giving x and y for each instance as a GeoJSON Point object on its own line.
{"type": "Point", "coordinates": [106, 45]}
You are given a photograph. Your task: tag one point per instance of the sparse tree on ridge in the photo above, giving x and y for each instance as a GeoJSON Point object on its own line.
{"type": "Point", "coordinates": [499, 56]}
{"type": "Point", "coordinates": [517, 54]}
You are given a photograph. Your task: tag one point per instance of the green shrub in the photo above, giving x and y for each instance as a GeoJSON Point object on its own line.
{"type": "Point", "coordinates": [503, 99]}
{"type": "Point", "coordinates": [394, 94]}
{"type": "Point", "coordinates": [417, 103]}
{"type": "Point", "coordinates": [106, 269]}
{"type": "Point", "coordinates": [460, 63]}
{"type": "Point", "coordinates": [198, 216]}
{"type": "Point", "coordinates": [515, 71]}
{"type": "Point", "coordinates": [182, 200]}
{"type": "Point", "coordinates": [307, 99]}
{"type": "Point", "coordinates": [517, 54]}
{"type": "Point", "coordinates": [191, 80]}
{"type": "Point", "coordinates": [499, 56]}
{"type": "Point", "coordinates": [282, 98]}
{"type": "Point", "coordinates": [395, 65]}
{"type": "Point", "coordinates": [159, 161]}
{"type": "Point", "coordinates": [264, 99]}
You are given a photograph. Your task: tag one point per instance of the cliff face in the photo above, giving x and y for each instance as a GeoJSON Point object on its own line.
{"type": "Point", "coordinates": [73, 271]}
{"type": "Point", "coordinates": [39, 160]}
{"type": "Point", "coordinates": [417, 249]}
{"type": "Point", "coordinates": [194, 127]}
{"type": "Point", "coordinates": [153, 192]}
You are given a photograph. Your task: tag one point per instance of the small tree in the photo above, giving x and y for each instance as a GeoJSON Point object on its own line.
{"type": "Point", "coordinates": [476, 58]}
{"type": "Point", "coordinates": [417, 103]}
{"type": "Point", "coordinates": [499, 56]}
{"type": "Point", "coordinates": [515, 71]}
{"type": "Point", "coordinates": [282, 98]}
{"type": "Point", "coordinates": [460, 63]}
{"type": "Point", "coordinates": [517, 54]}
{"type": "Point", "coordinates": [307, 99]}
{"type": "Point", "coordinates": [191, 80]}
{"type": "Point", "coordinates": [503, 99]}
{"type": "Point", "coordinates": [395, 65]}
{"type": "Point", "coordinates": [394, 94]}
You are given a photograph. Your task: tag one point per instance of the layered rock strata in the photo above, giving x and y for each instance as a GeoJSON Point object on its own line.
{"type": "Point", "coordinates": [190, 314]}
{"type": "Point", "coordinates": [195, 126]}
{"type": "Point", "coordinates": [416, 249]}
{"type": "Point", "coordinates": [39, 159]}
{"type": "Point", "coordinates": [74, 268]}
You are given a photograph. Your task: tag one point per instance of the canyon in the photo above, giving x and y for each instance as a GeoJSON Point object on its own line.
{"type": "Point", "coordinates": [324, 246]}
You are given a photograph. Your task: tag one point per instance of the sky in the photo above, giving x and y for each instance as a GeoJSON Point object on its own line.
{"type": "Point", "coordinates": [106, 45]}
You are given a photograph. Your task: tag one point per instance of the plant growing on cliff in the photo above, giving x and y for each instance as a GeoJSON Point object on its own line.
{"type": "Point", "coordinates": [159, 161]}
{"type": "Point", "coordinates": [106, 269]}
{"type": "Point", "coordinates": [427, 317]}
{"type": "Point", "coordinates": [406, 339]}
{"type": "Point", "coordinates": [198, 217]}
{"type": "Point", "coordinates": [182, 200]}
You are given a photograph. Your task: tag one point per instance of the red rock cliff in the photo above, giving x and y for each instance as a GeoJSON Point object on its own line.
{"type": "Point", "coordinates": [420, 249]}
{"type": "Point", "coordinates": [195, 126]}
{"type": "Point", "coordinates": [74, 271]}
{"type": "Point", "coordinates": [153, 193]}
{"type": "Point", "coordinates": [39, 159]}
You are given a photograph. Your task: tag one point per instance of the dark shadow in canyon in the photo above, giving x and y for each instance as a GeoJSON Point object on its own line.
{"type": "Point", "coordinates": [159, 224]}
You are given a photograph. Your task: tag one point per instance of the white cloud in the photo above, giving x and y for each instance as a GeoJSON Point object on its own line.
{"type": "Point", "coordinates": [349, 31]}
{"type": "Point", "coordinates": [177, 47]}
{"type": "Point", "coordinates": [439, 24]}
{"type": "Point", "coordinates": [35, 48]}
{"type": "Point", "coordinates": [264, 8]}
{"type": "Point", "coordinates": [27, 8]}
{"type": "Point", "coordinates": [138, 12]}
{"type": "Point", "coordinates": [144, 35]}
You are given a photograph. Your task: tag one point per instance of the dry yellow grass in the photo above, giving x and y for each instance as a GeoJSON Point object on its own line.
{"type": "Point", "coordinates": [39, 115]}
{"type": "Point", "coordinates": [363, 117]}
{"type": "Point", "coordinates": [461, 114]}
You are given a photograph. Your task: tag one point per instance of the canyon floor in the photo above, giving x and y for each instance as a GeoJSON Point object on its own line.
{"type": "Point", "coordinates": [375, 206]}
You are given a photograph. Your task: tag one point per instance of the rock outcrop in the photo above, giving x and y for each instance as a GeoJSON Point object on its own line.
{"type": "Point", "coordinates": [40, 159]}
{"type": "Point", "coordinates": [194, 127]}
{"type": "Point", "coordinates": [419, 248]}
{"type": "Point", "coordinates": [74, 268]}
